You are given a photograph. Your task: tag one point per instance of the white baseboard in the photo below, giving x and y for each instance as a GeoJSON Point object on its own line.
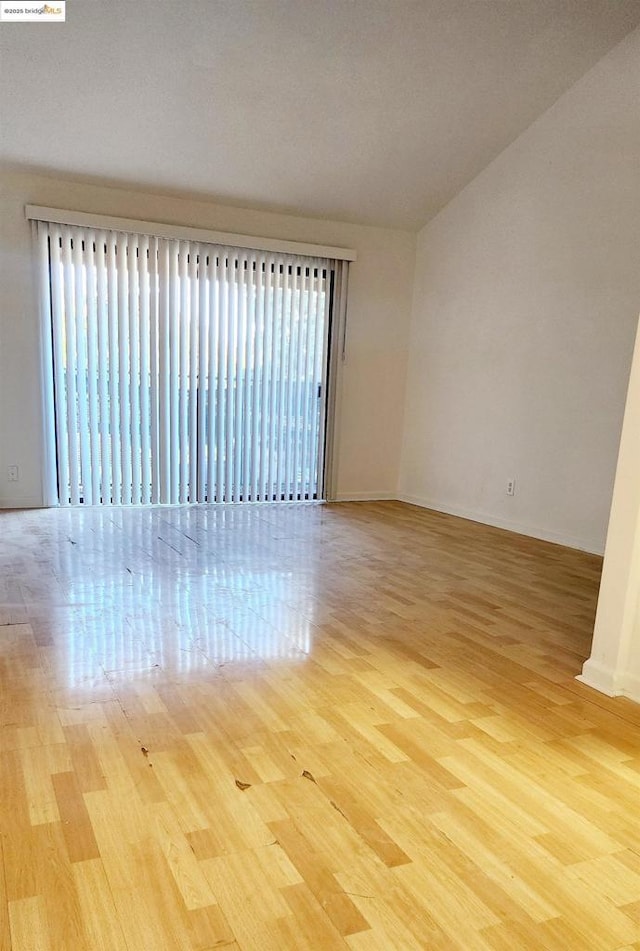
{"type": "Point", "coordinates": [600, 678]}
{"type": "Point", "coordinates": [22, 502]}
{"type": "Point", "coordinates": [366, 497]}
{"type": "Point", "coordinates": [559, 538]}
{"type": "Point", "coordinates": [631, 688]}
{"type": "Point", "coordinates": [610, 682]}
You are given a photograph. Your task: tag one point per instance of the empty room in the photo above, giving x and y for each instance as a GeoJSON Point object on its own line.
{"type": "Point", "coordinates": [320, 475]}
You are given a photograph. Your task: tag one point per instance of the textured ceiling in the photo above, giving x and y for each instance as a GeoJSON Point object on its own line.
{"type": "Point", "coordinates": [375, 111]}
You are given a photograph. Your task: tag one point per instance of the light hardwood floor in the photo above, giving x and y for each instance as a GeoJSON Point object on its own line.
{"type": "Point", "coordinates": [307, 727]}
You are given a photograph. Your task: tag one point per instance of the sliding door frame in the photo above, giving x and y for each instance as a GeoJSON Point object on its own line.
{"type": "Point", "coordinates": [334, 346]}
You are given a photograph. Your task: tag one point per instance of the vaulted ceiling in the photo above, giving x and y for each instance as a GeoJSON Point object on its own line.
{"type": "Point", "coordinates": [375, 111]}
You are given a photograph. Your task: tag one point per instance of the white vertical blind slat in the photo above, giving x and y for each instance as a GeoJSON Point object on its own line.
{"type": "Point", "coordinates": [182, 372]}
{"type": "Point", "coordinates": [277, 337]}
{"type": "Point", "coordinates": [217, 404]}
{"type": "Point", "coordinates": [257, 380]}
{"type": "Point", "coordinates": [315, 386]}
{"type": "Point", "coordinates": [250, 452]}
{"type": "Point", "coordinates": [93, 476]}
{"type": "Point", "coordinates": [300, 384]}
{"type": "Point", "coordinates": [194, 303]}
{"type": "Point", "coordinates": [240, 450]}
{"type": "Point", "coordinates": [124, 366]}
{"type": "Point", "coordinates": [103, 366]}
{"type": "Point", "coordinates": [174, 371]}
{"type": "Point", "coordinates": [81, 366]}
{"type": "Point", "coordinates": [231, 356]}
{"type": "Point", "coordinates": [240, 329]}
{"type": "Point", "coordinates": [203, 371]}
{"type": "Point", "coordinates": [285, 333]}
{"type": "Point", "coordinates": [311, 435]}
{"type": "Point", "coordinates": [40, 233]}
{"type": "Point", "coordinates": [164, 408]}
{"type": "Point", "coordinates": [70, 364]}
{"type": "Point", "coordinates": [267, 309]}
{"type": "Point", "coordinates": [155, 299]}
{"type": "Point", "coordinates": [134, 368]}
{"type": "Point", "coordinates": [291, 428]}
{"type": "Point", "coordinates": [248, 445]}
{"type": "Point", "coordinates": [114, 370]}
{"type": "Point", "coordinates": [320, 375]}
{"type": "Point", "coordinates": [145, 361]}
{"type": "Point", "coordinates": [223, 443]}
{"type": "Point", "coordinates": [60, 386]}
{"type": "Point", "coordinates": [183, 321]}
{"type": "Point", "coordinates": [213, 431]}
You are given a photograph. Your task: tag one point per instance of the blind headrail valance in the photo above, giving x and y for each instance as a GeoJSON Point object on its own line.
{"type": "Point", "coordinates": [161, 230]}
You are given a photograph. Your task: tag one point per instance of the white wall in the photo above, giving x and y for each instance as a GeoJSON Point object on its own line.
{"type": "Point", "coordinates": [526, 298]}
{"type": "Point", "coordinates": [614, 664]}
{"type": "Point", "coordinates": [379, 310]}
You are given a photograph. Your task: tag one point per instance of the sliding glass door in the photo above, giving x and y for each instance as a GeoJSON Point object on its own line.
{"type": "Point", "coordinates": [184, 372]}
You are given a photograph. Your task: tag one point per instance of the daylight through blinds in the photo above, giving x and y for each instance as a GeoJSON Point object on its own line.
{"type": "Point", "coordinates": [182, 371]}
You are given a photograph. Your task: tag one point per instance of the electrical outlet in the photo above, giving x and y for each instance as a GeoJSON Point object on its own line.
{"type": "Point", "coordinates": [13, 474]}
{"type": "Point", "coordinates": [511, 486]}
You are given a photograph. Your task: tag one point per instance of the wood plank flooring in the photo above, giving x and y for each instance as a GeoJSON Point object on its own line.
{"type": "Point", "coordinates": [348, 726]}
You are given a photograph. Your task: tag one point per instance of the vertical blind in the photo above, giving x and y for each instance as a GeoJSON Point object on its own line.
{"type": "Point", "coordinates": [179, 371]}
